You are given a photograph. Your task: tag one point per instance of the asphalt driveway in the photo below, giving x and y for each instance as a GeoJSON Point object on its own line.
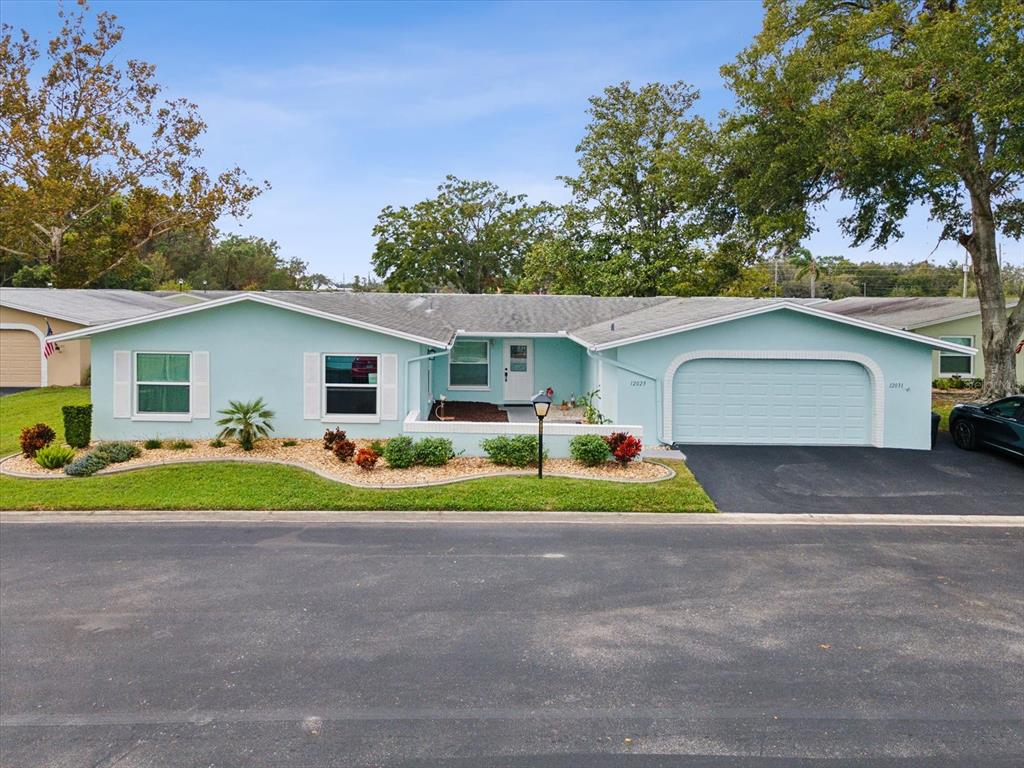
{"type": "Point", "coordinates": [944, 481]}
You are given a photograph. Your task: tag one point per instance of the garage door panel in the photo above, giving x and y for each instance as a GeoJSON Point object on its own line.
{"type": "Point", "coordinates": [19, 359]}
{"type": "Point", "coordinates": [808, 402]}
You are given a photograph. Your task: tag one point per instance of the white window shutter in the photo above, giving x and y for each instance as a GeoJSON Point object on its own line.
{"type": "Point", "coordinates": [310, 385]}
{"type": "Point", "coordinates": [201, 385]}
{"type": "Point", "coordinates": [388, 383]}
{"type": "Point", "coordinates": [122, 384]}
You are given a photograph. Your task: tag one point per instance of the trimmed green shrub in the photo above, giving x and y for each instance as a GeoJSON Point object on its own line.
{"type": "Point", "coordinates": [77, 425]}
{"type": "Point", "coordinates": [54, 456]}
{"type": "Point", "coordinates": [86, 465]}
{"type": "Point", "coordinates": [154, 443]}
{"type": "Point", "coordinates": [290, 443]}
{"type": "Point", "coordinates": [116, 452]}
{"type": "Point", "coordinates": [217, 443]}
{"type": "Point", "coordinates": [35, 437]}
{"type": "Point", "coordinates": [179, 445]}
{"type": "Point", "coordinates": [377, 447]}
{"type": "Point", "coordinates": [518, 451]}
{"type": "Point", "coordinates": [400, 452]}
{"type": "Point", "coordinates": [591, 450]}
{"type": "Point", "coordinates": [433, 451]}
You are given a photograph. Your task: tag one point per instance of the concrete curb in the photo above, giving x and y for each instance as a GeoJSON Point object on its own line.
{"type": "Point", "coordinates": [116, 469]}
{"type": "Point", "coordinates": [559, 518]}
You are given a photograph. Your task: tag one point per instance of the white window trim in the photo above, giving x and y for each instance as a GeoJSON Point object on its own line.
{"type": "Point", "coordinates": [875, 375]}
{"type": "Point", "coordinates": [140, 416]}
{"type": "Point", "coordinates": [467, 387]}
{"type": "Point", "coordinates": [947, 353]}
{"type": "Point", "coordinates": [347, 418]}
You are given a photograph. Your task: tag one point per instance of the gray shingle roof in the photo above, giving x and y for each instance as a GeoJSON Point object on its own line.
{"type": "Point", "coordinates": [85, 306]}
{"type": "Point", "coordinates": [905, 312]}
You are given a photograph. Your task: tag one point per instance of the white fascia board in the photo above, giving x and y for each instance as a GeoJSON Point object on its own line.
{"type": "Point", "coordinates": [508, 335]}
{"type": "Point", "coordinates": [807, 310]}
{"type": "Point", "coordinates": [202, 307]}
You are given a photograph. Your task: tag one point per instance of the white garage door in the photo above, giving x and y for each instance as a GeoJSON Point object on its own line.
{"type": "Point", "coordinates": [795, 402]}
{"type": "Point", "coordinates": [19, 359]}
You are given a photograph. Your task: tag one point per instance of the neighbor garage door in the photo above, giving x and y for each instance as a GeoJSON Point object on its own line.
{"type": "Point", "coordinates": [19, 359]}
{"type": "Point", "coordinates": [795, 402]}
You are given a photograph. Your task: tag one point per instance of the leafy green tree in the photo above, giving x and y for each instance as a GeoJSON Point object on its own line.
{"type": "Point", "coordinates": [890, 105]}
{"type": "Point", "coordinates": [93, 165]}
{"type": "Point", "coordinates": [472, 238]}
{"type": "Point", "coordinates": [636, 216]}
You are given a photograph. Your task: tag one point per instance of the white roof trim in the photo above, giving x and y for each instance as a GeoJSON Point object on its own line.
{"type": "Point", "coordinates": [510, 335]}
{"type": "Point", "coordinates": [807, 310]}
{"type": "Point", "coordinates": [258, 298]}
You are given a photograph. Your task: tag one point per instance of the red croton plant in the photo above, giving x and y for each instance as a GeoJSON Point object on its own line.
{"type": "Point", "coordinates": [624, 446]}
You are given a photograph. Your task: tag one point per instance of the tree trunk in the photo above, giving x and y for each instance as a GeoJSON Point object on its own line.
{"type": "Point", "coordinates": [998, 334]}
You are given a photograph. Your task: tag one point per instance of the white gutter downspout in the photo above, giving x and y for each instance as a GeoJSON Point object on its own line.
{"type": "Point", "coordinates": [408, 371]}
{"type": "Point", "coordinates": [635, 372]}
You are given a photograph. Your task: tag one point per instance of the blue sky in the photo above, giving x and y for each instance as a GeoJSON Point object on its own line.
{"type": "Point", "coordinates": [348, 107]}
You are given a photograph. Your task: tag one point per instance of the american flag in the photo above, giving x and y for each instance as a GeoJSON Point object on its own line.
{"type": "Point", "coordinates": [50, 348]}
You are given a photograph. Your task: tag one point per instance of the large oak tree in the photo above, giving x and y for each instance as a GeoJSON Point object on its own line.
{"type": "Point", "coordinates": [889, 104]}
{"type": "Point", "coordinates": [94, 165]}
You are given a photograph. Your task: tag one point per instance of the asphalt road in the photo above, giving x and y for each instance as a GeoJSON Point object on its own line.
{"type": "Point", "coordinates": [943, 481]}
{"type": "Point", "coordinates": [510, 645]}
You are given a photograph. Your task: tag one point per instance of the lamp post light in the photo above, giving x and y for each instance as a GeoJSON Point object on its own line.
{"type": "Point", "coordinates": [541, 404]}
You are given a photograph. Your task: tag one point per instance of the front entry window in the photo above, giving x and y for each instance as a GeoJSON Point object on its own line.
{"type": "Point", "coordinates": [469, 365]}
{"type": "Point", "coordinates": [518, 357]}
{"type": "Point", "coordinates": [162, 382]}
{"type": "Point", "coordinates": [350, 385]}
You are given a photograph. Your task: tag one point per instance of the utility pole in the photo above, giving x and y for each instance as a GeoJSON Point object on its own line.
{"type": "Point", "coordinates": [966, 269]}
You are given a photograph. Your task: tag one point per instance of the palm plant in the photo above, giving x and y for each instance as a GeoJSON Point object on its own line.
{"type": "Point", "coordinates": [246, 422]}
{"type": "Point", "coordinates": [805, 264]}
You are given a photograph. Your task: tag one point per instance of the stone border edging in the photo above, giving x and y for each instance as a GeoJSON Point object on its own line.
{"type": "Point", "coordinates": [114, 469]}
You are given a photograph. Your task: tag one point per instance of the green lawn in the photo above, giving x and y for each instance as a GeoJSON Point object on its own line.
{"type": "Point", "coordinates": [27, 408]}
{"type": "Point", "coordinates": [244, 486]}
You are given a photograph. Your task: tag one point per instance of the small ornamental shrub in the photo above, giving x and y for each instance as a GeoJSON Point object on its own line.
{"type": "Point", "coordinates": [333, 435]}
{"type": "Point", "coordinates": [433, 451]}
{"type": "Point", "coordinates": [290, 443]}
{"type": "Point", "coordinates": [518, 451]}
{"type": "Point", "coordinates": [624, 447]}
{"type": "Point", "coordinates": [378, 447]}
{"type": "Point", "coordinates": [343, 448]}
{"type": "Point", "coordinates": [86, 465]}
{"type": "Point", "coordinates": [155, 443]}
{"type": "Point", "coordinates": [246, 422]}
{"type": "Point", "coordinates": [179, 445]}
{"type": "Point", "coordinates": [54, 456]}
{"type": "Point", "coordinates": [77, 425]}
{"type": "Point", "coordinates": [367, 458]}
{"type": "Point", "coordinates": [115, 453]}
{"type": "Point", "coordinates": [217, 443]}
{"type": "Point", "coordinates": [399, 452]}
{"type": "Point", "coordinates": [35, 437]}
{"type": "Point", "coordinates": [591, 450]}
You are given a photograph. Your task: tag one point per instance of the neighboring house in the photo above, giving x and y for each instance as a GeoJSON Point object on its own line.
{"type": "Point", "coordinates": [944, 318]}
{"type": "Point", "coordinates": [24, 314]}
{"type": "Point", "coordinates": [675, 370]}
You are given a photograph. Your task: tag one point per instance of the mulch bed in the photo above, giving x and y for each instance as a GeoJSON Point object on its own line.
{"type": "Point", "coordinates": [470, 411]}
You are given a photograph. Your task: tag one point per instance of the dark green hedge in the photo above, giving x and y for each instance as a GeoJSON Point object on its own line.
{"type": "Point", "coordinates": [77, 425]}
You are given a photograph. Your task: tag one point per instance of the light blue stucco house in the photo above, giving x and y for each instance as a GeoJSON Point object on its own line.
{"type": "Point", "coordinates": [671, 370]}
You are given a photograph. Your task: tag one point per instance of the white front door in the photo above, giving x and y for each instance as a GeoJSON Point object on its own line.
{"type": "Point", "coordinates": [518, 370]}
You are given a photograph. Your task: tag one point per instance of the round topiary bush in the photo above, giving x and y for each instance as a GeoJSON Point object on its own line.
{"type": "Point", "coordinates": [590, 450]}
{"type": "Point", "coordinates": [434, 451]}
{"type": "Point", "coordinates": [399, 452]}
